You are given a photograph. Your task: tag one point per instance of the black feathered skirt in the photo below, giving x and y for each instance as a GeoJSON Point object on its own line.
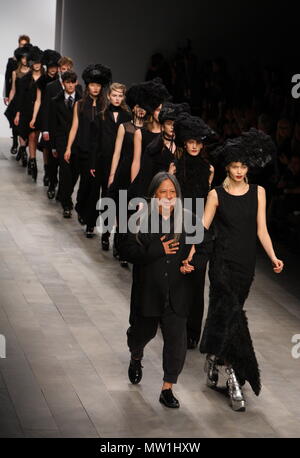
{"type": "Point", "coordinates": [226, 333]}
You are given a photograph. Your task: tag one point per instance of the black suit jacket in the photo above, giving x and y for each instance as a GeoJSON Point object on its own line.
{"type": "Point", "coordinates": [52, 90]}
{"type": "Point", "coordinates": [60, 121]}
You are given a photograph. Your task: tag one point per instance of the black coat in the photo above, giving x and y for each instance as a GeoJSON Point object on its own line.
{"type": "Point", "coordinates": [155, 274]}
{"type": "Point", "coordinates": [60, 121]}
{"type": "Point", "coordinates": [52, 90]}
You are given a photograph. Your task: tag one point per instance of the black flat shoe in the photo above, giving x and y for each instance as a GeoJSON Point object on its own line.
{"type": "Point", "coordinates": [89, 232]}
{"type": "Point", "coordinates": [14, 149]}
{"type": "Point", "coordinates": [191, 343]}
{"type": "Point", "coordinates": [168, 399]}
{"type": "Point", "coordinates": [81, 220]}
{"type": "Point", "coordinates": [67, 213]}
{"type": "Point", "coordinates": [135, 372]}
{"type": "Point", "coordinates": [105, 243]}
{"type": "Point", "coordinates": [124, 264]}
{"type": "Point", "coordinates": [51, 193]}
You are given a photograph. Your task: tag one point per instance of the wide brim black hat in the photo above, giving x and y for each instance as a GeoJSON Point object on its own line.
{"type": "Point", "coordinates": [50, 58]}
{"type": "Point", "coordinates": [97, 73]}
{"type": "Point", "coordinates": [23, 51]}
{"type": "Point", "coordinates": [35, 55]}
{"type": "Point", "coordinates": [152, 94]}
{"type": "Point", "coordinates": [254, 149]}
{"type": "Point", "coordinates": [171, 111]}
{"type": "Point", "coordinates": [187, 127]}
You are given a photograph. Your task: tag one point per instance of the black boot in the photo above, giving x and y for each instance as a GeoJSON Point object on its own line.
{"type": "Point", "coordinates": [33, 168]}
{"type": "Point", "coordinates": [19, 153]}
{"type": "Point", "coordinates": [46, 176]}
{"type": "Point", "coordinates": [105, 241]}
{"type": "Point", "coordinates": [24, 157]}
{"type": "Point", "coordinates": [14, 148]}
{"type": "Point", "coordinates": [51, 192]}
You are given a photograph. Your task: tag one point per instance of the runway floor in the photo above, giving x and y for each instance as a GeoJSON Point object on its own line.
{"type": "Point", "coordinates": [64, 312]}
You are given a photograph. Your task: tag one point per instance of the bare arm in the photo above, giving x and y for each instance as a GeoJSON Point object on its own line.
{"type": "Point", "coordinates": [36, 108]}
{"type": "Point", "coordinates": [137, 152]}
{"type": "Point", "coordinates": [13, 87]}
{"type": "Point", "coordinates": [262, 231]}
{"type": "Point", "coordinates": [212, 174]}
{"type": "Point", "coordinates": [73, 132]}
{"type": "Point", "coordinates": [210, 208]}
{"type": "Point", "coordinates": [117, 153]}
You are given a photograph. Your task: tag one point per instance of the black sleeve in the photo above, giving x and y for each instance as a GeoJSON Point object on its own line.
{"type": "Point", "coordinates": [137, 253]}
{"type": "Point", "coordinates": [46, 110]}
{"type": "Point", "coordinates": [204, 249]}
{"type": "Point", "coordinates": [51, 123]}
{"type": "Point", "coordinates": [10, 67]}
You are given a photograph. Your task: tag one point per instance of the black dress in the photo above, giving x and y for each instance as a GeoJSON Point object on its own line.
{"type": "Point", "coordinates": [42, 85]}
{"type": "Point", "coordinates": [231, 273]}
{"type": "Point", "coordinates": [193, 174]}
{"type": "Point", "coordinates": [11, 110]}
{"type": "Point", "coordinates": [25, 104]}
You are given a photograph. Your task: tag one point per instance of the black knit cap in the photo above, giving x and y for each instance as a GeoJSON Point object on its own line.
{"type": "Point", "coordinates": [97, 73]}
{"type": "Point", "coordinates": [254, 149]}
{"type": "Point", "coordinates": [187, 127]}
{"type": "Point", "coordinates": [152, 94]}
{"type": "Point", "coordinates": [50, 58]}
{"type": "Point", "coordinates": [35, 55]}
{"type": "Point", "coordinates": [23, 51]}
{"type": "Point", "coordinates": [171, 111]}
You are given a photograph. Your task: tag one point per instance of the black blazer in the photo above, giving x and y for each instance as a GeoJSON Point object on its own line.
{"type": "Point", "coordinates": [155, 275]}
{"type": "Point", "coordinates": [60, 121]}
{"type": "Point", "coordinates": [52, 90]}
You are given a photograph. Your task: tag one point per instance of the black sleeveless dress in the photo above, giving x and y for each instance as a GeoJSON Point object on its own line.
{"type": "Point", "coordinates": [231, 273]}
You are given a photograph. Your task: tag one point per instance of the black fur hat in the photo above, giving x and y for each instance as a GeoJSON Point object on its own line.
{"type": "Point", "coordinates": [132, 95]}
{"type": "Point", "coordinates": [24, 51]}
{"type": "Point", "coordinates": [152, 94]}
{"type": "Point", "coordinates": [187, 127]}
{"type": "Point", "coordinates": [254, 149]}
{"type": "Point", "coordinates": [171, 111]}
{"type": "Point", "coordinates": [50, 58]}
{"type": "Point", "coordinates": [35, 55]}
{"type": "Point", "coordinates": [97, 73]}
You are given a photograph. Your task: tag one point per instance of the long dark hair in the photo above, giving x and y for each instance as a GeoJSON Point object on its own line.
{"type": "Point", "coordinates": [101, 102]}
{"type": "Point", "coordinates": [157, 180]}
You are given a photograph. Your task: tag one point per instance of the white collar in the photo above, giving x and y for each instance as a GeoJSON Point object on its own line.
{"type": "Point", "coordinates": [68, 95]}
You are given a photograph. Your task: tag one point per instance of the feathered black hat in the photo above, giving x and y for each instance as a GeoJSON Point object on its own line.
{"type": "Point", "coordinates": [152, 94]}
{"type": "Point", "coordinates": [50, 58]}
{"type": "Point", "coordinates": [35, 55]}
{"type": "Point", "coordinates": [132, 95]}
{"type": "Point", "coordinates": [171, 111]}
{"type": "Point", "coordinates": [254, 149]}
{"type": "Point", "coordinates": [97, 73]}
{"type": "Point", "coordinates": [187, 127]}
{"type": "Point", "coordinates": [23, 51]}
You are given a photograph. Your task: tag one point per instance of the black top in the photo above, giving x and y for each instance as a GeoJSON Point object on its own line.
{"type": "Point", "coordinates": [236, 227]}
{"type": "Point", "coordinates": [11, 65]}
{"type": "Point", "coordinates": [193, 173]}
{"type": "Point", "coordinates": [89, 120]}
{"type": "Point", "coordinates": [26, 97]}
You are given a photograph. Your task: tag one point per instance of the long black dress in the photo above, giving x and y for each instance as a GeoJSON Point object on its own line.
{"type": "Point", "coordinates": [193, 174]}
{"type": "Point", "coordinates": [231, 273]}
{"type": "Point", "coordinates": [25, 104]}
{"type": "Point", "coordinates": [11, 110]}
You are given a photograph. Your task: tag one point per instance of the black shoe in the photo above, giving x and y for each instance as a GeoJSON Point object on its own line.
{"type": "Point", "coordinates": [89, 232]}
{"type": "Point", "coordinates": [67, 213]}
{"type": "Point", "coordinates": [105, 243]}
{"type": "Point", "coordinates": [115, 252]}
{"type": "Point", "coordinates": [191, 343]}
{"type": "Point", "coordinates": [123, 264]}
{"type": "Point", "coordinates": [19, 153]}
{"type": "Point", "coordinates": [51, 193]}
{"type": "Point", "coordinates": [24, 157]}
{"type": "Point", "coordinates": [168, 399]}
{"type": "Point", "coordinates": [33, 168]}
{"type": "Point", "coordinates": [14, 149]}
{"type": "Point", "coordinates": [135, 372]}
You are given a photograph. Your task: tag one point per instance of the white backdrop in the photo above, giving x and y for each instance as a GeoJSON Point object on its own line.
{"type": "Point", "coordinates": [35, 18]}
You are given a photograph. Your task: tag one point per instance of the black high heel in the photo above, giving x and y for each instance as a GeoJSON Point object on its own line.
{"type": "Point", "coordinates": [33, 168]}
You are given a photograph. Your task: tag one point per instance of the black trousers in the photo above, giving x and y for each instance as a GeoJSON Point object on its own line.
{"type": "Point", "coordinates": [173, 328]}
{"type": "Point", "coordinates": [88, 193]}
{"type": "Point", "coordinates": [68, 176]}
{"type": "Point", "coordinates": [194, 322]}
{"type": "Point", "coordinates": [53, 164]}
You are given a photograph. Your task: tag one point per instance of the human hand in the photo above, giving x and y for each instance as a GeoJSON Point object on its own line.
{"type": "Point", "coordinates": [170, 246]}
{"type": "Point", "coordinates": [277, 265]}
{"type": "Point", "coordinates": [93, 172]}
{"type": "Point", "coordinates": [67, 155]}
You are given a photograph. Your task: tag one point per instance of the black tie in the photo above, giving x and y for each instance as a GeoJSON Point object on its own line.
{"type": "Point", "coordinates": [70, 103]}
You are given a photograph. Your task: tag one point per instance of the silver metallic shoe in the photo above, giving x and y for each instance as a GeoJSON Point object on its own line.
{"type": "Point", "coordinates": [235, 392]}
{"type": "Point", "coordinates": [212, 371]}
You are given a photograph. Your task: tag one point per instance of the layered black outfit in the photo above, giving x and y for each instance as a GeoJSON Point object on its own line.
{"type": "Point", "coordinates": [26, 97]}
{"type": "Point", "coordinates": [160, 294]}
{"type": "Point", "coordinates": [86, 143]}
{"type": "Point", "coordinates": [60, 122]}
{"type": "Point", "coordinates": [11, 110]}
{"type": "Point", "coordinates": [231, 273]}
{"type": "Point", "coordinates": [11, 65]}
{"type": "Point", "coordinates": [42, 84]}
{"type": "Point", "coordinates": [193, 173]}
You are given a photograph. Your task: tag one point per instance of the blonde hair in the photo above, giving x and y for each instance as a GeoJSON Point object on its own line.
{"type": "Point", "coordinates": [226, 182]}
{"type": "Point", "coordinates": [66, 61]}
{"type": "Point", "coordinates": [121, 88]}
